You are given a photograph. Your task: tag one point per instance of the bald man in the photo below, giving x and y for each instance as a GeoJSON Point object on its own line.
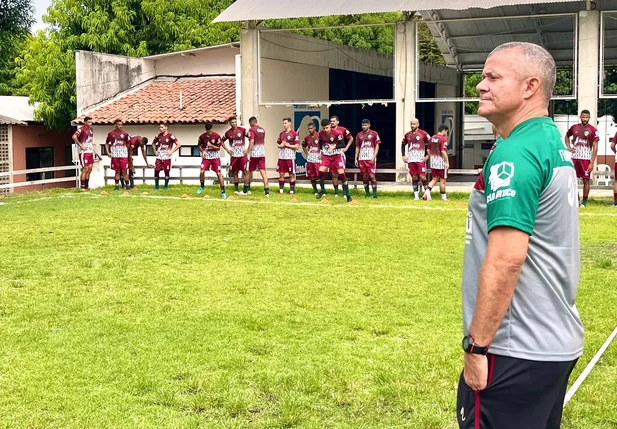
{"type": "Point", "coordinates": [522, 331]}
{"type": "Point", "coordinates": [414, 150]}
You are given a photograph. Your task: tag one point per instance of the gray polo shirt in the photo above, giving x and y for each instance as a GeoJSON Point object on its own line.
{"type": "Point", "coordinates": [529, 183]}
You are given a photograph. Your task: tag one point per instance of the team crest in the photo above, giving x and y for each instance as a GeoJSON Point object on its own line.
{"type": "Point", "coordinates": [288, 137]}
{"type": "Point", "coordinates": [586, 133]}
{"type": "Point", "coordinates": [239, 134]}
{"type": "Point", "coordinates": [417, 137]}
{"type": "Point", "coordinates": [370, 136]}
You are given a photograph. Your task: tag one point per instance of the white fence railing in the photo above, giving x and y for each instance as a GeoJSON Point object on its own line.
{"type": "Point", "coordinates": [43, 181]}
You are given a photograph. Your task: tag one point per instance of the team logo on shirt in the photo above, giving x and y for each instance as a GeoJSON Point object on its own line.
{"type": "Point", "coordinates": [417, 137]}
{"type": "Point", "coordinates": [288, 137]}
{"type": "Point", "coordinates": [501, 175]}
{"type": "Point", "coordinates": [239, 134]}
{"type": "Point", "coordinates": [586, 133]}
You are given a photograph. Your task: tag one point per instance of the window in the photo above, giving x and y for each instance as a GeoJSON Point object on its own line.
{"type": "Point", "coordinates": [68, 160]}
{"type": "Point", "coordinates": [150, 150]}
{"type": "Point", "coordinates": [189, 151]}
{"type": "Point", "coordinates": [103, 150]}
{"type": "Point", "coordinates": [39, 157]}
{"type": "Point", "coordinates": [4, 133]}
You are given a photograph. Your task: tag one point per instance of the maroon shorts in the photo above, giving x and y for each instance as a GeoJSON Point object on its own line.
{"type": "Point", "coordinates": [162, 165]}
{"type": "Point", "coordinates": [238, 164]}
{"type": "Point", "coordinates": [417, 168]}
{"type": "Point", "coordinates": [581, 166]}
{"type": "Point", "coordinates": [211, 164]}
{"type": "Point", "coordinates": [257, 163]}
{"type": "Point", "coordinates": [367, 167]}
{"type": "Point", "coordinates": [439, 173]}
{"type": "Point", "coordinates": [286, 166]}
{"type": "Point", "coordinates": [312, 169]}
{"type": "Point", "coordinates": [86, 159]}
{"type": "Point", "coordinates": [119, 164]}
{"type": "Point", "coordinates": [333, 162]}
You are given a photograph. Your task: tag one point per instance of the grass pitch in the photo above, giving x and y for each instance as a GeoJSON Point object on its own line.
{"type": "Point", "coordinates": [139, 312]}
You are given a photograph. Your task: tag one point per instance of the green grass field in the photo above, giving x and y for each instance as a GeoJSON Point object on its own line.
{"type": "Point", "coordinates": [138, 312]}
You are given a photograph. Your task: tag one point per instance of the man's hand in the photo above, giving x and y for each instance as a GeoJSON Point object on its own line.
{"type": "Point", "coordinates": [447, 166]}
{"type": "Point", "coordinates": [405, 160]}
{"type": "Point", "coordinates": [426, 158]}
{"type": "Point", "coordinates": [590, 168]}
{"type": "Point", "coordinates": [245, 153]}
{"type": "Point", "coordinates": [614, 147]}
{"type": "Point", "coordinates": [156, 153]}
{"type": "Point", "coordinates": [81, 146]}
{"type": "Point", "coordinates": [476, 371]}
{"type": "Point", "coordinates": [572, 149]}
{"type": "Point", "coordinates": [373, 161]}
{"type": "Point", "coordinates": [356, 162]}
{"type": "Point", "coordinates": [150, 166]}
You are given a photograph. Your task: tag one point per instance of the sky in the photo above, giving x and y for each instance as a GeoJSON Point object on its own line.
{"type": "Point", "coordinates": [40, 9]}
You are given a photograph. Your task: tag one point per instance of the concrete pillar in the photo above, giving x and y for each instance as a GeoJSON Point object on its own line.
{"type": "Point", "coordinates": [249, 73]}
{"type": "Point", "coordinates": [588, 61]}
{"type": "Point", "coordinates": [405, 83]}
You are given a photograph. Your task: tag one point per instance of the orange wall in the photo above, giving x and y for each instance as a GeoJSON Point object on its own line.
{"type": "Point", "coordinates": [39, 136]}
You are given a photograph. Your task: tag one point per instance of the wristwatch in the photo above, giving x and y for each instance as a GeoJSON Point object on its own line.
{"type": "Point", "coordinates": [470, 346]}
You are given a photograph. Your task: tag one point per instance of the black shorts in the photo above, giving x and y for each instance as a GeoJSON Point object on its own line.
{"type": "Point", "coordinates": [520, 394]}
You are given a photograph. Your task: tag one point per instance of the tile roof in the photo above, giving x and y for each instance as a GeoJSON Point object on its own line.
{"type": "Point", "coordinates": [203, 100]}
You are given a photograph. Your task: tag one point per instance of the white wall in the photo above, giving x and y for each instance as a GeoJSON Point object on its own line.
{"type": "Point", "coordinates": [187, 136]}
{"type": "Point", "coordinates": [210, 61]}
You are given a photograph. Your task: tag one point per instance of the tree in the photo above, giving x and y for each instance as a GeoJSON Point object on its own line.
{"type": "Point", "coordinates": [16, 17]}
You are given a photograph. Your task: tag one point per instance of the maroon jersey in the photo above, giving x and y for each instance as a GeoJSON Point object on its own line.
{"type": "Point", "coordinates": [366, 144]}
{"type": "Point", "coordinates": [118, 140]}
{"type": "Point", "coordinates": [414, 145]}
{"type": "Point", "coordinates": [582, 140]}
{"type": "Point", "coordinates": [290, 137]}
{"type": "Point", "coordinates": [165, 143]}
{"type": "Point", "coordinates": [85, 137]}
{"type": "Point", "coordinates": [334, 137]}
{"type": "Point", "coordinates": [236, 139]}
{"type": "Point", "coordinates": [213, 139]}
{"type": "Point", "coordinates": [344, 131]}
{"type": "Point", "coordinates": [258, 135]}
{"type": "Point", "coordinates": [311, 146]}
{"type": "Point", "coordinates": [438, 145]}
{"type": "Point", "coordinates": [134, 144]}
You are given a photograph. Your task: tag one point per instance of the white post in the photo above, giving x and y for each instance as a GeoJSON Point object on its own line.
{"type": "Point", "coordinates": [249, 87]}
{"type": "Point", "coordinates": [588, 48]}
{"type": "Point", "coordinates": [405, 82]}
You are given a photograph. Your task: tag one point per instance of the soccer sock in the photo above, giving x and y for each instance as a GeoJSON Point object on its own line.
{"type": "Point", "coordinates": [87, 185]}
{"type": "Point", "coordinates": [443, 196]}
{"type": "Point", "coordinates": [343, 179]}
{"type": "Point", "coordinates": [156, 182]}
{"type": "Point", "coordinates": [615, 197]}
{"type": "Point", "coordinates": [121, 182]}
{"type": "Point", "coordinates": [222, 189]}
{"type": "Point", "coordinates": [266, 190]}
{"type": "Point", "coordinates": [116, 182]}
{"type": "Point", "coordinates": [375, 190]}
{"type": "Point", "coordinates": [281, 184]}
{"type": "Point", "coordinates": [132, 180]}
{"type": "Point", "coordinates": [425, 183]}
{"type": "Point", "coordinates": [166, 181]}
{"type": "Point", "coordinates": [292, 185]}
{"type": "Point", "coordinates": [245, 189]}
{"type": "Point", "coordinates": [236, 186]}
{"type": "Point", "coordinates": [314, 185]}
{"type": "Point", "coordinates": [322, 181]}
{"type": "Point", "coordinates": [248, 187]}
{"type": "Point", "coordinates": [336, 189]}
{"type": "Point", "coordinates": [203, 183]}
{"type": "Point", "coordinates": [585, 197]}
{"type": "Point", "coordinates": [366, 189]}
{"type": "Point", "coordinates": [416, 187]}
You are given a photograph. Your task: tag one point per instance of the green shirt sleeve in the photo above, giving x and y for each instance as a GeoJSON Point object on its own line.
{"type": "Point", "coordinates": [514, 181]}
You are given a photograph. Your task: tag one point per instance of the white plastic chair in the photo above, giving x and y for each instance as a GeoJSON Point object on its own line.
{"type": "Point", "coordinates": [603, 174]}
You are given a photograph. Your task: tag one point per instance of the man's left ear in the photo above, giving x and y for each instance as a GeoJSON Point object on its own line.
{"type": "Point", "coordinates": [533, 86]}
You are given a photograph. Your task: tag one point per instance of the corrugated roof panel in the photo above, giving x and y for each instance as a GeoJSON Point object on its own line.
{"type": "Point", "coordinates": [247, 10]}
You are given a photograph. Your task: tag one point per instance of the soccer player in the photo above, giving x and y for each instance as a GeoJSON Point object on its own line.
{"type": "Point", "coordinates": [414, 153]}
{"type": "Point", "coordinates": [614, 149]}
{"type": "Point", "coordinates": [209, 143]}
{"type": "Point", "coordinates": [367, 148]}
{"type": "Point", "coordinates": [288, 143]}
{"type": "Point", "coordinates": [236, 136]}
{"type": "Point", "coordinates": [334, 124]}
{"type": "Point", "coordinates": [332, 146]}
{"type": "Point", "coordinates": [584, 150]}
{"type": "Point", "coordinates": [257, 151]}
{"type": "Point", "coordinates": [83, 138]}
{"type": "Point", "coordinates": [135, 143]}
{"type": "Point", "coordinates": [438, 150]}
{"type": "Point", "coordinates": [117, 149]}
{"type": "Point", "coordinates": [165, 145]}
{"type": "Point", "coordinates": [312, 153]}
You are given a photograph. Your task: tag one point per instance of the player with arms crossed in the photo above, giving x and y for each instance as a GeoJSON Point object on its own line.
{"type": "Point", "coordinates": [135, 143]}
{"type": "Point", "coordinates": [236, 136]}
{"type": "Point", "coordinates": [334, 124]}
{"type": "Point", "coordinates": [117, 149]}
{"type": "Point", "coordinates": [414, 152]}
{"type": "Point", "coordinates": [584, 150]}
{"type": "Point", "coordinates": [165, 145]}
{"type": "Point", "coordinates": [438, 152]}
{"type": "Point", "coordinates": [209, 144]}
{"type": "Point", "coordinates": [312, 153]}
{"type": "Point", "coordinates": [367, 148]}
{"type": "Point", "coordinates": [257, 151]}
{"type": "Point", "coordinates": [288, 143]}
{"type": "Point", "coordinates": [332, 146]}
{"type": "Point", "coordinates": [83, 138]}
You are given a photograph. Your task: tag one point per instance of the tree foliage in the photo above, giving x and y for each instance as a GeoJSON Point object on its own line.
{"type": "Point", "coordinates": [16, 17]}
